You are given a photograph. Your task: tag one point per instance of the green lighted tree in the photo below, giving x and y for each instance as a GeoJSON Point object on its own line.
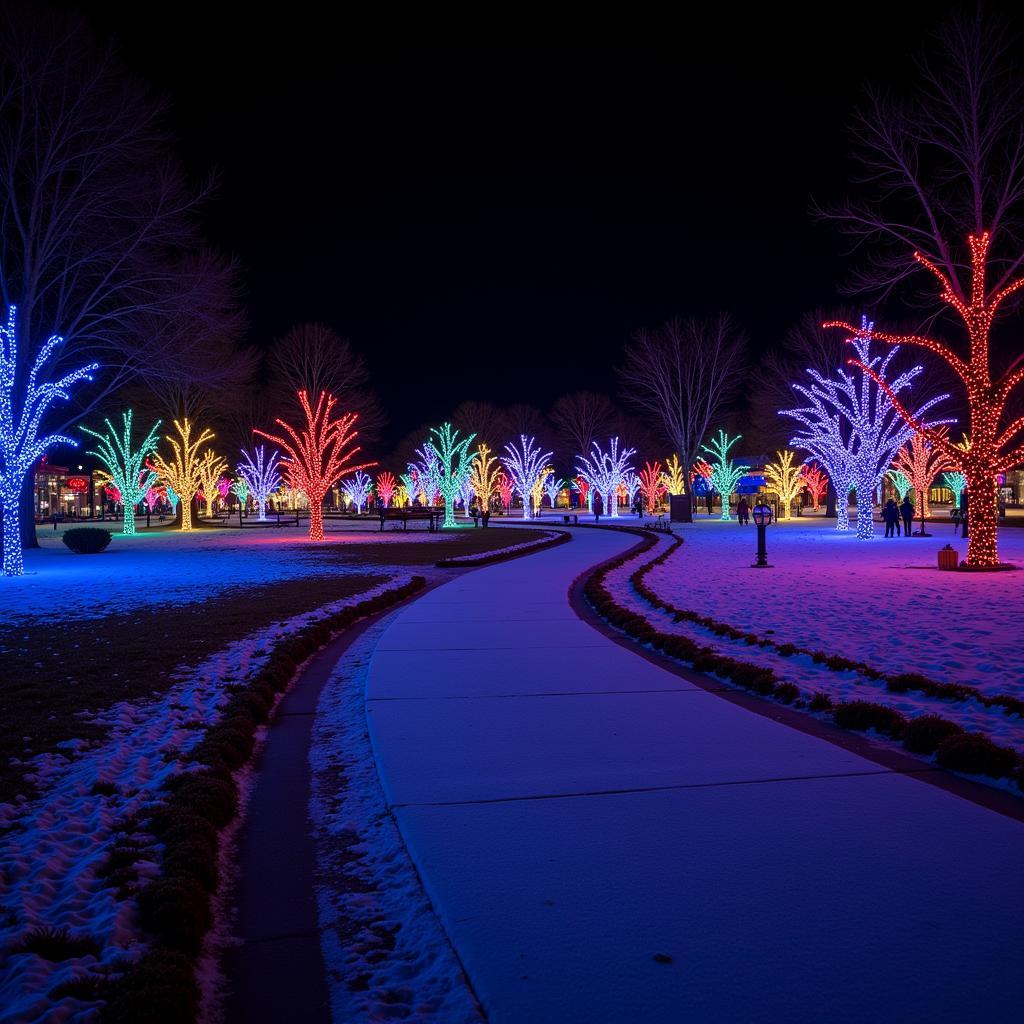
{"type": "Point", "coordinates": [725, 474]}
{"type": "Point", "coordinates": [127, 468]}
{"type": "Point", "coordinates": [453, 466]}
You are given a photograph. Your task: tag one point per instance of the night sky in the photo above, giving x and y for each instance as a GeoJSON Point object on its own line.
{"type": "Point", "coordinates": [493, 223]}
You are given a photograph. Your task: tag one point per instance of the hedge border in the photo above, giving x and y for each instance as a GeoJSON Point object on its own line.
{"type": "Point", "coordinates": [176, 908]}
{"type": "Point", "coordinates": [1000, 762]}
{"type": "Point", "coordinates": [899, 682]}
{"type": "Point", "coordinates": [506, 554]}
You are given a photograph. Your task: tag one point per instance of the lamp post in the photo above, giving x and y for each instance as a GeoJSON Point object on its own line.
{"type": "Point", "coordinates": [762, 518]}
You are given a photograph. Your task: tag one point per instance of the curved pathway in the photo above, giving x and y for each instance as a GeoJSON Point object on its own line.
{"type": "Point", "coordinates": [605, 841]}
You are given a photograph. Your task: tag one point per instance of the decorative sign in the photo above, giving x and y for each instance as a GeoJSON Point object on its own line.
{"type": "Point", "coordinates": [78, 484]}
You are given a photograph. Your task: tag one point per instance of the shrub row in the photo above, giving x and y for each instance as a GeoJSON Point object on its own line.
{"type": "Point", "coordinates": [971, 753]}
{"type": "Point", "coordinates": [898, 683]}
{"type": "Point", "coordinates": [176, 908]}
{"type": "Point", "coordinates": [503, 555]}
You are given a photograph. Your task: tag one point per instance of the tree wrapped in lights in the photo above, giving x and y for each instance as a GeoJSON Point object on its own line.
{"type": "Point", "coordinates": [586, 494]}
{"type": "Point", "coordinates": [211, 466]}
{"type": "Point", "coordinates": [631, 482]}
{"type": "Point", "coordinates": [224, 487]}
{"type": "Point", "coordinates": [675, 476]}
{"type": "Point", "coordinates": [483, 474]}
{"type": "Point", "coordinates": [784, 478]}
{"type": "Point", "coordinates": [995, 445]}
{"type": "Point", "coordinates": [386, 487]}
{"type": "Point", "coordinates": [128, 467]}
{"type": "Point", "coordinates": [181, 472]}
{"type": "Point", "coordinates": [260, 475]}
{"type": "Point", "coordinates": [606, 470]}
{"type": "Point", "coordinates": [466, 492]}
{"type": "Point", "coordinates": [956, 482]}
{"type": "Point", "coordinates": [318, 457]}
{"type": "Point", "coordinates": [152, 499]}
{"type": "Point", "coordinates": [537, 490]}
{"type": "Point", "coordinates": [815, 480]}
{"type": "Point", "coordinates": [921, 461]}
{"type": "Point", "coordinates": [172, 497]}
{"type": "Point", "coordinates": [553, 488]}
{"type": "Point", "coordinates": [700, 477]}
{"type": "Point", "coordinates": [409, 484]}
{"type": "Point", "coordinates": [725, 473]}
{"type": "Point", "coordinates": [426, 475]}
{"type": "Point", "coordinates": [852, 425]}
{"type": "Point", "coordinates": [523, 465]}
{"type": "Point", "coordinates": [900, 482]}
{"type": "Point", "coordinates": [651, 485]}
{"type": "Point", "coordinates": [401, 497]}
{"type": "Point", "coordinates": [453, 465]}
{"type": "Point", "coordinates": [503, 486]}
{"type": "Point", "coordinates": [23, 404]}
{"type": "Point", "coordinates": [357, 489]}
{"type": "Point", "coordinates": [240, 489]}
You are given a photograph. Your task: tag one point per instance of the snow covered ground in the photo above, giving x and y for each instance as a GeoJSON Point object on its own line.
{"type": "Point", "coordinates": [55, 845]}
{"type": "Point", "coordinates": [881, 602]}
{"type": "Point", "coordinates": [168, 566]}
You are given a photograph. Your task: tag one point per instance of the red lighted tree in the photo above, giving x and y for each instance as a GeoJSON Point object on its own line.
{"type": "Point", "coordinates": [320, 456]}
{"type": "Point", "coordinates": [992, 450]}
{"type": "Point", "coordinates": [815, 480]}
{"type": "Point", "coordinates": [651, 486]}
{"type": "Point", "coordinates": [921, 462]}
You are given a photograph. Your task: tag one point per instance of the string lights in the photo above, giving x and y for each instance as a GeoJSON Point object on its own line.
{"type": "Point", "coordinates": [675, 476]}
{"type": "Point", "coordinates": [725, 473]}
{"type": "Point", "coordinates": [523, 465]}
{"type": "Point", "coordinates": [815, 480]}
{"type": "Point", "coordinates": [260, 475]}
{"type": "Point", "coordinates": [921, 462]}
{"type": "Point", "coordinates": [606, 470]}
{"type": "Point", "coordinates": [318, 457]}
{"type": "Point", "coordinates": [651, 484]}
{"type": "Point", "coordinates": [994, 448]}
{"type": "Point", "coordinates": [128, 468]}
{"type": "Point", "coordinates": [211, 466]}
{"type": "Point", "coordinates": [785, 479]}
{"type": "Point", "coordinates": [357, 489]}
{"type": "Point", "coordinates": [453, 465]}
{"type": "Point", "coordinates": [386, 486]}
{"type": "Point", "coordinates": [21, 416]}
{"type": "Point", "coordinates": [181, 472]}
{"type": "Point", "coordinates": [483, 474]}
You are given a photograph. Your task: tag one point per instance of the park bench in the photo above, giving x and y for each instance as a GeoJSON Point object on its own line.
{"type": "Point", "coordinates": [661, 524]}
{"type": "Point", "coordinates": [431, 516]}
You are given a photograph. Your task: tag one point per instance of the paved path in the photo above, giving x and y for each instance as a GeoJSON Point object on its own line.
{"type": "Point", "coordinates": [606, 842]}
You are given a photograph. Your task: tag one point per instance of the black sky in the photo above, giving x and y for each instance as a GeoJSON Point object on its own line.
{"type": "Point", "coordinates": [492, 222]}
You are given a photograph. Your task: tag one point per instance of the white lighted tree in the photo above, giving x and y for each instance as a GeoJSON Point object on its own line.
{"type": "Point", "coordinates": [523, 465]}
{"type": "Point", "coordinates": [261, 475]}
{"type": "Point", "coordinates": [605, 470]}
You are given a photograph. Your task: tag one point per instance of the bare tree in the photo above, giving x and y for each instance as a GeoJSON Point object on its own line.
{"type": "Point", "coordinates": [682, 374]}
{"type": "Point", "coordinates": [524, 419]}
{"type": "Point", "coordinates": [97, 235]}
{"type": "Point", "coordinates": [314, 358]}
{"type": "Point", "coordinates": [481, 418]}
{"type": "Point", "coordinates": [580, 419]}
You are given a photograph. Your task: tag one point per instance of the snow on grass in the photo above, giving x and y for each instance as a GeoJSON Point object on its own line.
{"type": "Point", "coordinates": [386, 954]}
{"type": "Point", "coordinates": [830, 596]}
{"type": "Point", "coordinates": [54, 846]}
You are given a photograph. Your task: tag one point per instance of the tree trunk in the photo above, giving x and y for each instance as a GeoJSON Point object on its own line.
{"type": "Point", "coordinates": [865, 510]}
{"type": "Point", "coordinates": [831, 510]}
{"type": "Point", "coordinates": [316, 518]}
{"type": "Point", "coordinates": [449, 511]}
{"type": "Point", "coordinates": [128, 528]}
{"type": "Point", "coordinates": [186, 513]}
{"type": "Point", "coordinates": [982, 540]}
{"type": "Point", "coordinates": [14, 564]}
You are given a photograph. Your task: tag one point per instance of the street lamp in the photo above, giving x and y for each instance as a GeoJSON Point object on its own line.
{"type": "Point", "coordinates": [762, 518]}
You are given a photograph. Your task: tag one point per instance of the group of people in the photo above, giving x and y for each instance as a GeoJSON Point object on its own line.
{"type": "Point", "coordinates": [893, 513]}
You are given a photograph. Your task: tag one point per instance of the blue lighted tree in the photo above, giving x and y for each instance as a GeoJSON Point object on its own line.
{"type": "Point", "coordinates": [23, 404]}
{"type": "Point", "coordinates": [523, 465]}
{"type": "Point", "coordinates": [357, 488]}
{"type": "Point", "coordinates": [260, 474]}
{"type": "Point", "coordinates": [852, 426]}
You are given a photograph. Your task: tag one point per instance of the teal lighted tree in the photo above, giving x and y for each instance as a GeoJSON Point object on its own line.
{"type": "Point", "coordinates": [900, 481]}
{"type": "Point", "coordinates": [725, 473]}
{"type": "Point", "coordinates": [128, 467]}
{"type": "Point", "coordinates": [453, 465]}
{"type": "Point", "coordinates": [956, 482]}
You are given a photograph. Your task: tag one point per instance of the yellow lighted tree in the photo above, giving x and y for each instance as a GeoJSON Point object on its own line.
{"type": "Point", "coordinates": [483, 475]}
{"type": "Point", "coordinates": [674, 477]}
{"type": "Point", "coordinates": [211, 467]}
{"type": "Point", "coordinates": [181, 470]}
{"type": "Point", "coordinates": [784, 478]}
{"type": "Point", "coordinates": [537, 490]}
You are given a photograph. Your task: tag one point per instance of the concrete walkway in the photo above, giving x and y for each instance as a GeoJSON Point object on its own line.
{"type": "Point", "coordinates": [606, 842]}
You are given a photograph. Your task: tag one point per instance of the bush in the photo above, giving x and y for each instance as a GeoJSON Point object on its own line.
{"type": "Point", "coordinates": [177, 911]}
{"type": "Point", "coordinates": [820, 702]}
{"type": "Point", "coordinates": [56, 944]}
{"type": "Point", "coordinates": [862, 715]}
{"type": "Point", "coordinates": [194, 858]}
{"type": "Point", "coordinates": [975, 754]}
{"type": "Point", "coordinates": [86, 540]}
{"type": "Point", "coordinates": [787, 692]}
{"type": "Point", "coordinates": [924, 734]}
{"type": "Point", "coordinates": [161, 989]}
